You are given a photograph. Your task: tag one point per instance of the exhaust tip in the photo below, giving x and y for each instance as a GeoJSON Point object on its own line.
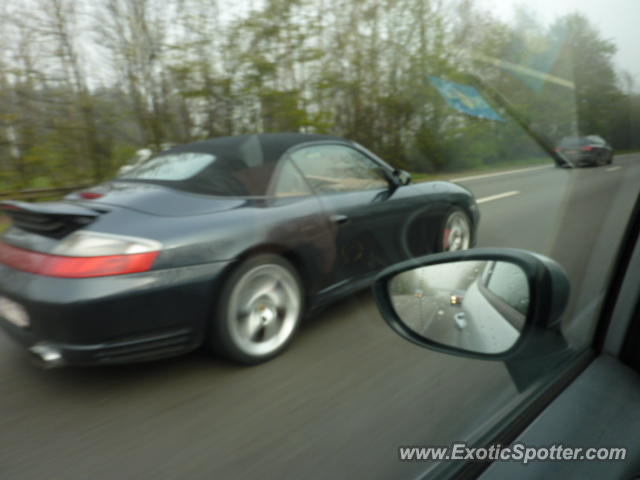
{"type": "Point", "coordinates": [46, 355]}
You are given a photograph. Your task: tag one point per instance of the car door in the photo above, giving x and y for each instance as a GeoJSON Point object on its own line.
{"type": "Point", "coordinates": [304, 226]}
{"type": "Point", "coordinates": [360, 208]}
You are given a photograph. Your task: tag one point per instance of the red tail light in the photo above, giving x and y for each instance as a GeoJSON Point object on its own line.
{"type": "Point", "coordinates": [12, 208]}
{"type": "Point", "coordinates": [587, 149]}
{"type": "Point", "coordinates": [75, 267]}
{"type": "Point", "coordinates": [91, 195]}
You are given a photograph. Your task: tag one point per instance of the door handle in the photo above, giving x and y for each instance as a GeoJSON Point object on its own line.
{"type": "Point", "coordinates": [339, 219]}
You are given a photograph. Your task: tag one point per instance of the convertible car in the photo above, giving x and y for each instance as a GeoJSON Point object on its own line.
{"type": "Point", "coordinates": [225, 243]}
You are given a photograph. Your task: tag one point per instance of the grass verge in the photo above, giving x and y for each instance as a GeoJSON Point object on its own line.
{"type": "Point", "coordinates": [532, 162]}
{"type": "Point", "coordinates": [4, 223]}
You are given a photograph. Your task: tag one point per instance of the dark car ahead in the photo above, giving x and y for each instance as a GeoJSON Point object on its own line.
{"type": "Point", "coordinates": [225, 242]}
{"type": "Point", "coordinates": [591, 150]}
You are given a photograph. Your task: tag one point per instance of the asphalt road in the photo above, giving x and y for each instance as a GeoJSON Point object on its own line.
{"type": "Point", "coordinates": [340, 401]}
{"type": "Point", "coordinates": [430, 316]}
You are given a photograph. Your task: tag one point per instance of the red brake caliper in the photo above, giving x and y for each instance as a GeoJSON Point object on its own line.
{"type": "Point", "coordinates": [447, 233]}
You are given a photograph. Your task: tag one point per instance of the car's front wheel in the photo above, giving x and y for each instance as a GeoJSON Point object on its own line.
{"type": "Point", "coordinates": [258, 311]}
{"type": "Point", "coordinates": [456, 231]}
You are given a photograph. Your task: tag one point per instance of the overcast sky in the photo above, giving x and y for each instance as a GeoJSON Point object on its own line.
{"type": "Point", "coordinates": [617, 20]}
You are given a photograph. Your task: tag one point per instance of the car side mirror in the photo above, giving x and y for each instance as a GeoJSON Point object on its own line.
{"type": "Point", "coordinates": [490, 303]}
{"type": "Point", "coordinates": [402, 177]}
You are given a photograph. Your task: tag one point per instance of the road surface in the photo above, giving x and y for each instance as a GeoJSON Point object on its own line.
{"type": "Point", "coordinates": [340, 401]}
{"type": "Point", "coordinates": [432, 317]}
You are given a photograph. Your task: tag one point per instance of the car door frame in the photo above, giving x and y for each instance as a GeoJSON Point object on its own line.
{"type": "Point", "coordinates": [341, 287]}
{"type": "Point", "coordinates": [616, 321]}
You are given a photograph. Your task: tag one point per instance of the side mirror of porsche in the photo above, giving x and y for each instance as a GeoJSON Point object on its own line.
{"type": "Point", "coordinates": [402, 177]}
{"type": "Point", "coordinates": [489, 303]}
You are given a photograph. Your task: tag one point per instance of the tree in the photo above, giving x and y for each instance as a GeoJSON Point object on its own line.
{"type": "Point", "coordinates": [591, 58]}
{"type": "Point", "coordinates": [84, 85]}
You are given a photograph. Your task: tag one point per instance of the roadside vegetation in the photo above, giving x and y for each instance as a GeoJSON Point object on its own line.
{"type": "Point", "coordinates": [4, 223]}
{"type": "Point", "coordinates": [484, 169]}
{"type": "Point", "coordinates": [85, 85]}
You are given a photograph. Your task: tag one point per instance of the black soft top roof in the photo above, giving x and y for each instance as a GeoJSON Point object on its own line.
{"type": "Point", "coordinates": [244, 165]}
{"type": "Point", "coordinates": [254, 149]}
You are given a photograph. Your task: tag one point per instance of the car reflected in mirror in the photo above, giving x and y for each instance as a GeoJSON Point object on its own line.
{"type": "Point", "coordinates": [478, 306]}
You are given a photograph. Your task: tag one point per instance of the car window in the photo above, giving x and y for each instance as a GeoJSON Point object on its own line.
{"type": "Point", "coordinates": [334, 168]}
{"type": "Point", "coordinates": [174, 167]}
{"type": "Point", "coordinates": [290, 182]}
{"type": "Point", "coordinates": [171, 120]}
{"type": "Point", "coordinates": [573, 142]}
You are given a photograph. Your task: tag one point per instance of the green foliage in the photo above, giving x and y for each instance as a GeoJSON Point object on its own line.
{"type": "Point", "coordinates": [357, 69]}
{"type": "Point", "coordinates": [280, 111]}
{"type": "Point", "coordinates": [4, 223]}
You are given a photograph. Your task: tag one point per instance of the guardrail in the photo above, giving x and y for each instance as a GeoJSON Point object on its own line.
{"type": "Point", "coordinates": [36, 193]}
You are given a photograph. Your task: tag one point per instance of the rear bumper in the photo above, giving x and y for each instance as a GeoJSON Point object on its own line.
{"type": "Point", "coordinates": [586, 162]}
{"type": "Point", "coordinates": [109, 320]}
{"type": "Point", "coordinates": [136, 349]}
{"type": "Point", "coordinates": [583, 159]}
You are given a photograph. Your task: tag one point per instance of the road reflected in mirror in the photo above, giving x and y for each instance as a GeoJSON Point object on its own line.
{"type": "Point", "coordinates": [478, 306]}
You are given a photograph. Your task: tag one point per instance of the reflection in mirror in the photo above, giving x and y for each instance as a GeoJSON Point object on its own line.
{"type": "Point", "coordinates": [478, 306]}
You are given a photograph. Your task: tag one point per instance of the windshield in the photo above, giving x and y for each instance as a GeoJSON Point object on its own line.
{"type": "Point", "coordinates": [569, 142]}
{"type": "Point", "coordinates": [488, 106]}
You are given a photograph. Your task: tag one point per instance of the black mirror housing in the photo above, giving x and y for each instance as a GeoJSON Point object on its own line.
{"type": "Point", "coordinates": [402, 177]}
{"type": "Point", "coordinates": [549, 293]}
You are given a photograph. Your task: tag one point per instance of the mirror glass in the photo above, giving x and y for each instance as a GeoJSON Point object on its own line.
{"type": "Point", "coordinates": [478, 306]}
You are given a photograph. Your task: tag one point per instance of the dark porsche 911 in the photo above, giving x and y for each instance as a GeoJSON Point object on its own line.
{"type": "Point", "coordinates": [225, 242]}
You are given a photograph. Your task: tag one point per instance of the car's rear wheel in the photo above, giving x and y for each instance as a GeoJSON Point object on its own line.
{"type": "Point", "coordinates": [456, 231]}
{"type": "Point", "coordinates": [259, 310]}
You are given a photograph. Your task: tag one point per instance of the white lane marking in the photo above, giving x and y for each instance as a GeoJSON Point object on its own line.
{"type": "Point", "coordinates": [612, 169]}
{"type": "Point", "coordinates": [497, 196]}
{"type": "Point", "coordinates": [497, 174]}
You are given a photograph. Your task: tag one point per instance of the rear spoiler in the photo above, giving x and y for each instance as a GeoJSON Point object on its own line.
{"type": "Point", "coordinates": [54, 219]}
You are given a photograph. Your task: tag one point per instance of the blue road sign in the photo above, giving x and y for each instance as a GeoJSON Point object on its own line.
{"type": "Point", "coordinates": [466, 99]}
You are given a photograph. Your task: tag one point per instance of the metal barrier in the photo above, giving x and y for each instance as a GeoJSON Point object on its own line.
{"type": "Point", "coordinates": [36, 193]}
